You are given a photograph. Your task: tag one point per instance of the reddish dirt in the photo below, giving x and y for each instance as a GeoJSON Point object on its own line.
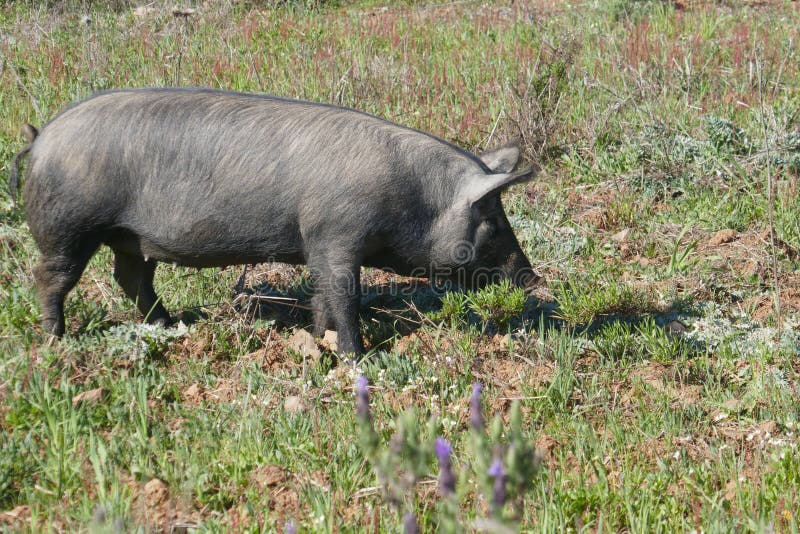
{"type": "Point", "coordinates": [547, 446]}
{"type": "Point", "coordinates": [664, 380]}
{"type": "Point", "coordinates": [159, 510]}
{"type": "Point", "coordinates": [281, 486]}
{"type": "Point", "coordinates": [764, 304]}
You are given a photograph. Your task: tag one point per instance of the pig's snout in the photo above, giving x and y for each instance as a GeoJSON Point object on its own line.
{"type": "Point", "coordinates": [519, 271]}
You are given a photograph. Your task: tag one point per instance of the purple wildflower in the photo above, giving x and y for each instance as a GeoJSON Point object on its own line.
{"type": "Point", "coordinates": [362, 398]}
{"type": "Point", "coordinates": [410, 524]}
{"type": "Point", "coordinates": [475, 412]}
{"type": "Point", "coordinates": [447, 480]}
{"type": "Point", "coordinates": [442, 449]}
{"type": "Point", "coordinates": [499, 488]}
{"type": "Point", "coordinates": [289, 528]}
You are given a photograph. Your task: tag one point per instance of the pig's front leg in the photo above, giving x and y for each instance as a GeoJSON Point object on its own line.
{"type": "Point", "coordinates": [337, 288]}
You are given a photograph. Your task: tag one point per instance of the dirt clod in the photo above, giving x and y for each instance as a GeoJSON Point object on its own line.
{"type": "Point", "coordinates": [155, 492]}
{"type": "Point", "coordinates": [723, 236]}
{"type": "Point", "coordinates": [621, 236]}
{"type": "Point", "coordinates": [294, 404]}
{"type": "Point", "coordinates": [193, 393]}
{"type": "Point", "coordinates": [304, 344]}
{"type": "Point", "coordinates": [330, 340]}
{"type": "Point", "coordinates": [268, 476]}
{"type": "Point", "coordinates": [546, 445]}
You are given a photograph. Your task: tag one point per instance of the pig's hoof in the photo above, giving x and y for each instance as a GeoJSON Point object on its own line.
{"type": "Point", "coordinates": [161, 321]}
{"type": "Point", "coordinates": [52, 327]}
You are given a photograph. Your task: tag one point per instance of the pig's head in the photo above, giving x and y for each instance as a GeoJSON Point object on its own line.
{"type": "Point", "coordinates": [473, 243]}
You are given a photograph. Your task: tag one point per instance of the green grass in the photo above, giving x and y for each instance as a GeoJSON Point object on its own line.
{"type": "Point", "coordinates": [651, 367]}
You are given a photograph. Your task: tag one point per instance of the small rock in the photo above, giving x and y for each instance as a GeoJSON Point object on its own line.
{"type": "Point", "coordinates": [768, 427]}
{"type": "Point", "coordinates": [155, 492]}
{"type": "Point", "coordinates": [89, 398]}
{"type": "Point", "coordinates": [303, 343]}
{"type": "Point", "coordinates": [294, 404]}
{"type": "Point", "coordinates": [732, 405]}
{"type": "Point", "coordinates": [193, 393]}
{"type": "Point", "coordinates": [723, 236]}
{"type": "Point", "coordinates": [330, 340]}
{"type": "Point", "coordinates": [508, 341]}
{"type": "Point", "coordinates": [621, 236]}
{"type": "Point", "coordinates": [730, 490]}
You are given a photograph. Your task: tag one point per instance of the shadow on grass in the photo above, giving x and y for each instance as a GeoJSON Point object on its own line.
{"type": "Point", "coordinates": [389, 308]}
{"type": "Point", "coordinates": [668, 318]}
{"type": "Point", "coordinates": [395, 307]}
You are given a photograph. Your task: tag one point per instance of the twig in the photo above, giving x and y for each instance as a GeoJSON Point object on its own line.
{"type": "Point", "coordinates": [365, 492]}
{"type": "Point", "coordinates": [396, 315]}
{"type": "Point", "coordinates": [284, 301]}
{"type": "Point", "coordinates": [255, 71]}
{"type": "Point", "coordinates": [770, 203]}
{"type": "Point", "coordinates": [496, 122]}
{"type": "Point", "coordinates": [184, 15]}
{"type": "Point", "coordinates": [777, 83]}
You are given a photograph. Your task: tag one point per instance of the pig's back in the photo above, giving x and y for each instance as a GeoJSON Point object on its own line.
{"type": "Point", "coordinates": [218, 173]}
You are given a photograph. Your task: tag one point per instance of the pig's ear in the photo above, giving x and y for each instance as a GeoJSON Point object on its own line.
{"type": "Point", "coordinates": [486, 185]}
{"type": "Point", "coordinates": [502, 159]}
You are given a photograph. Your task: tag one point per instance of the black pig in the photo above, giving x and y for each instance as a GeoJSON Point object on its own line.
{"type": "Point", "coordinates": [208, 178]}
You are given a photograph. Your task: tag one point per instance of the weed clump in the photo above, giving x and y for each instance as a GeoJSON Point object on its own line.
{"type": "Point", "coordinates": [496, 304]}
{"type": "Point", "coordinates": [726, 137]}
{"type": "Point", "coordinates": [502, 464]}
{"type": "Point", "coordinates": [141, 340]}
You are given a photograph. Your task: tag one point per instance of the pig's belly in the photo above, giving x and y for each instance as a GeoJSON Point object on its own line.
{"type": "Point", "coordinates": [200, 250]}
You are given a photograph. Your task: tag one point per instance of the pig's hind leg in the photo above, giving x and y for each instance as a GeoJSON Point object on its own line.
{"type": "Point", "coordinates": [135, 275]}
{"type": "Point", "coordinates": [56, 274]}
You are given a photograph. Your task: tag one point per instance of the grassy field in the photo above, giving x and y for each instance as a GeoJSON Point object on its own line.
{"type": "Point", "coordinates": [655, 368]}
